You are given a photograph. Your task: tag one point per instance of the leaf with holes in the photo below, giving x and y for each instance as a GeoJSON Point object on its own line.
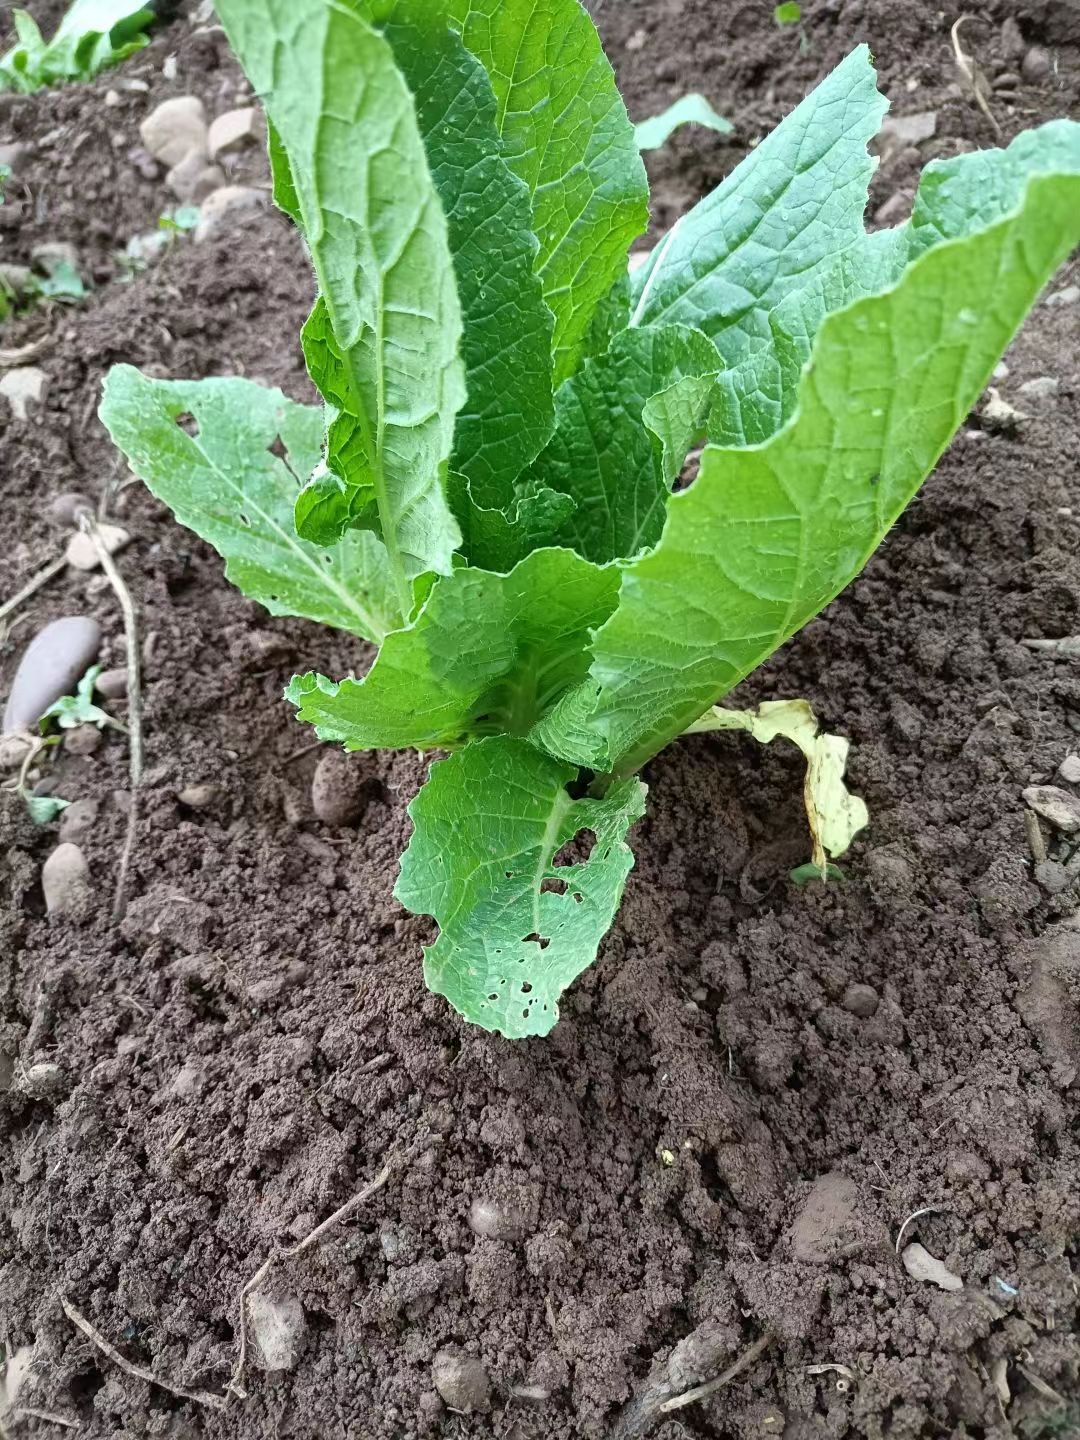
{"type": "Point", "coordinates": [226, 457]}
{"type": "Point", "coordinates": [516, 925]}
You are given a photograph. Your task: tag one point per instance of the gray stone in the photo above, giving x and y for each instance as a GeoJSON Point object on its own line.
{"type": "Point", "coordinates": [199, 797]}
{"type": "Point", "coordinates": [278, 1329]}
{"type": "Point", "coordinates": [229, 200]}
{"type": "Point", "coordinates": [14, 279]}
{"type": "Point", "coordinates": [1056, 806]}
{"type": "Point", "coordinates": [1036, 65]}
{"type": "Point", "coordinates": [1068, 296]}
{"type": "Point", "coordinates": [65, 880]}
{"type": "Point", "coordinates": [493, 1220]}
{"type": "Point", "coordinates": [82, 740]}
{"type": "Point", "coordinates": [899, 131]}
{"type": "Point", "coordinates": [921, 1265]}
{"type": "Point", "coordinates": [194, 178]}
{"type": "Point", "coordinates": [1069, 770]}
{"type": "Point", "coordinates": [461, 1380]}
{"type": "Point", "coordinates": [24, 389]}
{"type": "Point", "coordinates": [1040, 391]}
{"type": "Point", "coordinates": [54, 661]}
{"type": "Point", "coordinates": [112, 684]}
{"type": "Point", "coordinates": [234, 130]}
{"type": "Point", "coordinates": [64, 509]}
{"type": "Point", "coordinates": [337, 788]}
{"type": "Point", "coordinates": [78, 820]}
{"type": "Point", "coordinates": [174, 128]}
{"type": "Point", "coordinates": [81, 552]}
{"type": "Point", "coordinates": [45, 1081]}
{"type": "Point", "coordinates": [861, 1000]}
{"type": "Point", "coordinates": [1052, 877]}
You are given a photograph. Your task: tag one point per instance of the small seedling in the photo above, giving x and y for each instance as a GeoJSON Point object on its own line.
{"type": "Point", "coordinates": [79, 709]}
{"type": "Point", "coordinates": [93, 35]}
{"type": "Point", "coordinates": [790, 13]}
{"type": "Point", "coordinates": [692, 109]}
{"type": "Point", "coordinates": [489, 494]}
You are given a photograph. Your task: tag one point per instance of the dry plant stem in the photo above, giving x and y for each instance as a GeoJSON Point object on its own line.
{"type": "Point", "coordinates": [201, 1397]}
{"type": "Point", "coordinates": [31, 587]}
{"type": "Point", "coordinates": [89, 525]}
{"type": "Point", "coordinates": [926, 1210]}
{"type": "Point", "coordinates": [47, 1415]}
{"type": "Point", "coordinates": [702, 1392]}
{"type": "Point", "coordinates": [235, 1385]}
{"type": "Point", "coordinates": [25, 353]}
{"type": "Point", "coordinates": [972, 75]}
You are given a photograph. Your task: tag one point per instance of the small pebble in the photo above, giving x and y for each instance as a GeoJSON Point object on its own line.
{"type": "Point", "coordinates": [64, 509]}
{"type": "Point", "coordinates": [230, 199]}
{"type": "Point", "coordinates": [13, 750]}
{"type": "Point", "coordinates": [52, 664]}
{"type": "Point", "coordinates": [43, 1082]}
{"type": "Point", "coordinates": [895, 209]}
{"type": "Point", "coordinates": [498, 1222]}
{"type": "Point", "coordinates": [24, 389]}
{"type": "Point", "coordinates": [337, 788]}
{"type": "Point", "coordinates": [461, 1380]}
{"type": "Point", "coordinates": [1052, 876]}
{"type": "Point", "coordinates": [78, 820]}
{"type": "Point", "coordinates": [1058, 807]}
{"type": "Point", "coordinates": [199, 797]}
{"type": "Point", "coordinates": [234, 130]}
{"type": "Point", "coordinates": [1040, 390]}
{"type": "Point", "coordinates": [1069, 770]}
{"type": "Point", "coordinates": [174, 128]}
{"type": "Point", "coordinates": [81, 552]}
{"type": "Point", "coordinates": [82, 740]}
{"type": "Point", "coordinates": [65, 880]}
{"type": "Point", "coordinates": [278, 1328]}
{"type": "Point", "coordinates": [921, 1265]}
{"type": "Point", "coordinates": [1036, 65]}
{"type": "Point", "coordinates": [52, 255]}
{"type": "Point", "coordinates": [194, 178]}
{"type": "Point", "coordinates": [861, 1000]}
{"type": "Point", "coordinates": [112, 684]}
{"type": "Point", "coordinates": [1069, 296]}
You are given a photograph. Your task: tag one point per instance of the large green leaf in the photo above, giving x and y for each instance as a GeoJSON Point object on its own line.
{"type": "Point", "coordinates": [506, 345]}
{"type": "Point", "coordinates": [767, 536]}
{"type": "Point", "coordinates": [567, 135]}
{"type": "Point", "coordinates": [778, 222]}
{"type": "Point", "coordinates": [225, 456]}
{"type": "Point", "coordinates": [604, 456]}
{"type": "Point", "coordinates": [515, 927]}
{"type": "Point", "coordinates": [487, 654]}
{"type": "Point", "coordinates": [388, 325]}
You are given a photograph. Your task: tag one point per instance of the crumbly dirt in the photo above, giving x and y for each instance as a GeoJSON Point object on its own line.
{"type": "Point", "coordinates": [713, 1145]}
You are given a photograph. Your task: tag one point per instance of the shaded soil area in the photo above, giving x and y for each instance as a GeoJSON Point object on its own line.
{"type": "Point", "coordinates": [721, 1139]}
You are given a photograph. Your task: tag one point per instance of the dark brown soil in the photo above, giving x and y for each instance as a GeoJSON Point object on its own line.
{"type": "Point", "coordinates": [712, 1146]}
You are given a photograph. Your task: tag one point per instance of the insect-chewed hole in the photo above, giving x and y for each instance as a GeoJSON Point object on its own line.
{"type": "Point", "coordinates": [244, 520]}
{"type": "Point", "coordinates": [579, 897]}
{"type": "Point", "coordinates": [552, 886]}
{"type": "Point", "coordinates": [186, 421]}
{"type": "Point", "coordinates": [689, 472]}
{"type": "Point", "coordinates": [493, 995]}
{"type": "Point", "coordinates": [575, 851]}
{"type": "Point", "coordinates": [526, 988]}
{"type": "Point", "coordinates": [541, 940]}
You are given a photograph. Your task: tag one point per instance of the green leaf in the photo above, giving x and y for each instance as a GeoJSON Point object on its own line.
{"type": "Point", "coordinates": [92, 35]}
{"type": "Point", "coordinates": [388, 319]}
{"type": "Point", "coordinates": [789, 13]}
{"type": "Point", "coordinates": [506, 345]}
{"type": "Point", "coordinates": [515, 927]}
{"type": "Point", "coordinates": [487, 654]}
{"type": "Point", "coordinates": [692, 109]}
{"type": "Point", "coordinates": [230, 482]}
{"type": "Point", "coordinates": [79, 709]}
{"type": "Point", "coordinates": [43, 808]}
{"type": "Point", "coordinates": [767, 536]}
{"type": "Point", "coordinates": [496, 539]}
{"type": "Point", "coordinates": [568, 137]}
{"type": "Point", "coordinates": [63, 282]}
{"type": "Point", "coordinates": [604, 456]}
{"type": "Point", "coordinates": [779, 219]}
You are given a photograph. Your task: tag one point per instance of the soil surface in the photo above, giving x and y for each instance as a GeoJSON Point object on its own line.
{"type": "Point", "coordinates": [721, 1140]}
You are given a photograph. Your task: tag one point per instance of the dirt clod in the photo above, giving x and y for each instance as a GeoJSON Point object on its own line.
{"type": "Point", "coordinates": [461, 1381]}
{"type": "Point", "coordinates": [65, 880]}
{"type": "Point", "coordinates": [278, 1329]}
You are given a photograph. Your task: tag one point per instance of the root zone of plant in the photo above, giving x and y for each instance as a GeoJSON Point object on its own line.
{"type": "Point", "coordinates": [253, 1044]}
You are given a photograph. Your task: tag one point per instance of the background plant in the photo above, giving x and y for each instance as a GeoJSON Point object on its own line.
{"type": "Point", "coordinates": [91, 36]}
{"type": "Point", "coordinates": [488, 493]}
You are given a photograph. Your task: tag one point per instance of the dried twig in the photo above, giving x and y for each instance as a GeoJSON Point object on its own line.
{"type": "Point", "coordinates": [1038, 1383]}
{"type": "Point", "coordinates": [140, 1372]}
{"type": "Point", "coordinates": [702, 1392]}
{"type": "Point", "coordinates": [926, 1210]}
{"type": "Point", "coordinates": [1068, 647]}
{"type": "Point", "coordinates": [235, 1385]}
{"type": "Point", "coordinates": [972, 75]}
{"type": "Point", "coordinates": [89, 526]}
{"type": "Point", "coordinates": [43, 576]}
{"type": "Point", "coordinates": [30, 351]}
{"type": "Point", "coordinates": [47, 1416]}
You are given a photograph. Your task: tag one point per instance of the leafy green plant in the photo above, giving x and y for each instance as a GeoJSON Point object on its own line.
{"type": "Point", "coordinates": [93, 35]}
{"type": "Point", "coordinates": [79, 709]}
{"type": "Point", "coordinates": [490, 492]}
